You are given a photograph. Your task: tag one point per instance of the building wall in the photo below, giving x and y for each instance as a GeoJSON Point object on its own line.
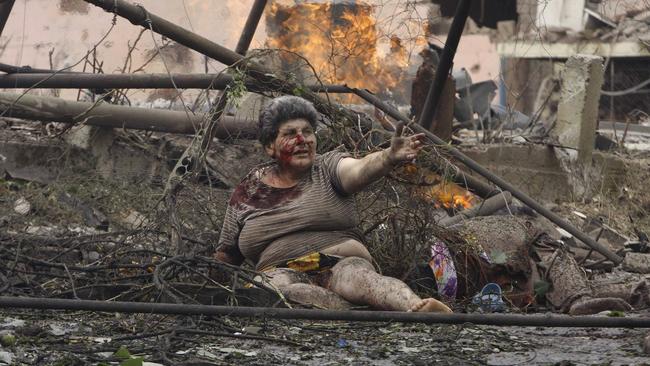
{"type": "Point", "coordinates": [527, 10]}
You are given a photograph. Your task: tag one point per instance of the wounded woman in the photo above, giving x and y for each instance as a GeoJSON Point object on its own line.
{"type": "Point", "coordinates": [295, 218]}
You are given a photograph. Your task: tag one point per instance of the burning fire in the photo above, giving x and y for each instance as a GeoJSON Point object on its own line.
{"type": "Point", "coordinates": [340, 41]}
{"type": "Point", "coordinates": [442, 193]}
{"type": "Point", "coordinates": [450, 195]}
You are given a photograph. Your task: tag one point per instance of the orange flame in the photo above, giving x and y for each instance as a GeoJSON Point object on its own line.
{"type": "Point", "coordinates": [440, 192]}
{"type": "Point", "coordinates": [340, 42]}
{"type": "Point", "coordinates": [449, 195]}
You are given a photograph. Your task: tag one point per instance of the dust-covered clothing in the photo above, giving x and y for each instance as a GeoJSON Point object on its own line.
{"type": "Point", "coordinates": [269, 225]}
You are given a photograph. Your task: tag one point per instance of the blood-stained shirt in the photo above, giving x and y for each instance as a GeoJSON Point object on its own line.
{"type": "Point", "coordinates": [269, 225]}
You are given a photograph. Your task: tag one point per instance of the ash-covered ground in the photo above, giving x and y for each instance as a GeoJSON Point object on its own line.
{"type": "Point", "coordinates": [81, 338]}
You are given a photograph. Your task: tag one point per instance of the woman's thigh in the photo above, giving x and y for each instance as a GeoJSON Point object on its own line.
{"type": "Point", "coordinates": [349, 248]}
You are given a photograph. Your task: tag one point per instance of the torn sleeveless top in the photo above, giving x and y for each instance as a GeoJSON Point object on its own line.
{"type": "Point", "coordinates": [269, 225]}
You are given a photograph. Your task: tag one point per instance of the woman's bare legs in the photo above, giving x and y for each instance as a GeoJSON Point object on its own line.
{"type": "Point", "coordinates": [356, 281]}
{"type": "Point", "coordinates": [295, 287]}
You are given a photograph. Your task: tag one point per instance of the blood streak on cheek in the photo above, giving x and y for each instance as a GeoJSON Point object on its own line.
{"type": "Point", "coordinates": [286, 152]}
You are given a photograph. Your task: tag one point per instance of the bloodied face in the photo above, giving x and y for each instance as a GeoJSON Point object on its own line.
{"type": "Point", "coordinates": [295, 146]}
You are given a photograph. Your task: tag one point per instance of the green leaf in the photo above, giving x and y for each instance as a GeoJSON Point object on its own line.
{"type": "Point", "coordinates": [122, 352]}
{"type": "Point", "coordinates": [136, 361]}
{"type": "Point", "coordinates": [498, 257]}
{"type": "Point", "coordinates": [298, 91]}
{"type": "Point", "coordinates": [616, 314]}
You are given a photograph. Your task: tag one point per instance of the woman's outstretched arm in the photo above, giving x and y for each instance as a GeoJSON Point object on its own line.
{"type": "Point", "coordinates": [357, 174]}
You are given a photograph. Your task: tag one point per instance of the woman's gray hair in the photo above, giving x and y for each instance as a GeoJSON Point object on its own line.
{"type": "Point", "coordinates": [282, 109]}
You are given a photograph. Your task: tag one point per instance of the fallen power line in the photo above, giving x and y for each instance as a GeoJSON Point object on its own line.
{"type": "Point", "coordinates": [335, 315]}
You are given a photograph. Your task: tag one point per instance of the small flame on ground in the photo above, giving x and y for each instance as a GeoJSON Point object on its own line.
{"type": "Point", "coordinates": [449, 195]}
{"type": "Point", "coordinates": [442, 193]}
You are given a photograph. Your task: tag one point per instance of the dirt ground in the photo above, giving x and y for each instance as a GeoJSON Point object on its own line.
{"type": "Point", "coordinates": [78, 338]}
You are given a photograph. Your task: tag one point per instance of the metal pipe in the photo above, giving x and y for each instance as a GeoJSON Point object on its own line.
{"type": "Point", "coordinates": [491, 177]}
{"type": "Point", "coordinates": [251, 25]}
{"type": "Point", "coordinates": [547, 320]}
{"type": "Point", "coordinates": [446, 62]}
{"type": "Point", "coordinates": [53, 109]}
{"type": "Point", "coordinates": [114, 81]}
{"type": "Point", "coordinates": [11, 69]}
{"type": "Point", "coordinates": [134, 81]}
{"type": "Point", "coordinates": [5, 10]}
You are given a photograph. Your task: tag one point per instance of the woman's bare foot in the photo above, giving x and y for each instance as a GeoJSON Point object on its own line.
{"type": "Point", "coordinates": [430, 305]}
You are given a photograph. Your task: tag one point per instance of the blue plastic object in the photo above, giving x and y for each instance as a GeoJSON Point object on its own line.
{"type": "Point", "coordinates": [489, 300]}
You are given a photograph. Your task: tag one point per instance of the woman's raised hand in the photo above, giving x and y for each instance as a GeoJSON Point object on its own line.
{"type": "Point", "coordinates": [403, 148]}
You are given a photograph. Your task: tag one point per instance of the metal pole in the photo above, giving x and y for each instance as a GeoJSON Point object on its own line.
{"type": "Point", "coordinates": [134, 81]}
{"type": "Point", "coordinates": [5, 10]}
{"type": "Point", "coordinates": [251, 25]}
{"type": "Point", "coordinates": [53, 109]}
{"type": "Point", "coordinates": [11, 69]}
{"type": "Point", "coordinates": [446, 61]}
{"type": "Point", "coordinates": [547, 320]}
{"type": "Point", "coordinates": [492, 177]}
